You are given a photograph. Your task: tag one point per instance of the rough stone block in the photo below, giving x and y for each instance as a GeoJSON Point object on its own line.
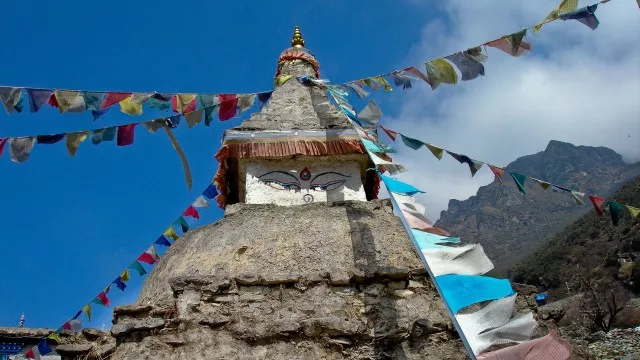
{"type": "Point", "coordinates": [119, 330]}
{"type": "Point", "coordinates": [72, 350]}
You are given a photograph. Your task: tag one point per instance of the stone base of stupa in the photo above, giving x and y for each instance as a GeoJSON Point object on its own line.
{"type": "Point", "coordinates": [318, 281]}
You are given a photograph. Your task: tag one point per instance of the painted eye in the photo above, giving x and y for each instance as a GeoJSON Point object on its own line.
{"type": "Point", "coordinates": [279, 185]}
{"type": "Point", "coordinates": [331, 185]}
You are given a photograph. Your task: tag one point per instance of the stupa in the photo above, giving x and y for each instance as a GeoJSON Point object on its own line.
{"type": "Point", "coordinates": [306, 263]}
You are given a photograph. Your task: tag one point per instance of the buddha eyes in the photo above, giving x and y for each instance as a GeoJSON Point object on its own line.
{"type": "Point", "coordinates": [276, 184]}
{"type": "Point", "coordinates": [331, 185]}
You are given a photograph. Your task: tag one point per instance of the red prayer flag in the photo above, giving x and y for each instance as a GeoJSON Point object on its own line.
{"type": "Point", "coordinates": [598, 204]}
{"type": "Point", "coordinates": [191, 211]}
{"type": "Point", "coordinates": [66, 326]}
{"type": "Point", "coordinates": [126, 134]}
{"type": "Point", "coordinates": [2, 142]}
{"type": "Point", "coordinates": [191, 106]}
{"type": "Point", "coordinates": [498, 172]}
{"type": "Point", "coordinates": [228, 106]}
{"type": "Point", "coordinates": [104, 299]}
{"type": "Point", "coordinates": [417, 73]}
{"type": "Point", "coordinates": [53, 101]}
{"type": "Point", "coordinates": [149, 257]}
{"type": "Point", "coordinates": [113, 98]}
{"type": "Point", "coordinates": [390, 133]}
{"type": "Point", "coordinates": [29, 354]}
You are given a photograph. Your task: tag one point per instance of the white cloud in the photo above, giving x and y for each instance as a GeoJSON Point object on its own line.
{"type": "Point", "coordinates": [578, 85]}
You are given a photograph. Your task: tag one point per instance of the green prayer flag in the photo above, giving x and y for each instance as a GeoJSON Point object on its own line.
{"type": "Point", "coordinates": [208, 114]}
{"type": "Point", "coordinates": [92, 100]}
{"type": "Point", "coordinates": [138, 267]}
{"type": "Point", "coordinates": [415, 144]}
{"type": "Point", "coordinates": [616, 210]}
{"type": "Point", "coordinates": [183, 224]}
{"type": "Point", "coordinates": [519, 180]}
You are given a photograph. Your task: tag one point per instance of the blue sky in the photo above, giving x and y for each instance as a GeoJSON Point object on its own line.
{"type": "Point", "coordinates": [71, 225]}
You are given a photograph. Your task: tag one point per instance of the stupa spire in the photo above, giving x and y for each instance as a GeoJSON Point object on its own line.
{"type": "Point", "coordinates": [297, 40]}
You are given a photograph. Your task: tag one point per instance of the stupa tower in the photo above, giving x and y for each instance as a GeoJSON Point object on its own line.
{"type": "Point", "coordinates": [305, 264]}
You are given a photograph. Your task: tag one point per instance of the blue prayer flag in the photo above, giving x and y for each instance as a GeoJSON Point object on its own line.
{"type": "Point", "coordinates": [460, 291]}
{"type": "Point", "coordinates": [399, 187]}
{"type": "Point", "coordinates": [44, 348]}
{"type": "Point", "coordinates": [210, 192]}
{"type": "Point", "coordinates": [162, 241]}
{"type": "Point", "coordinates": [119, 283]}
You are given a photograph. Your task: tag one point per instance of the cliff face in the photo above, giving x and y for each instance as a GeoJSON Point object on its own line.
{"type": "Point", "coordinates": [511, 225]}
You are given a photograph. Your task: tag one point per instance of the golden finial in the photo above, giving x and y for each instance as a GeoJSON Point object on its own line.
{"type": "Point", "coordinates": [297, 40]}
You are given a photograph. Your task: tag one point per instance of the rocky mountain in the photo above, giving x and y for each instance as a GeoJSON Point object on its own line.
{"type": "Point", "coordinates": [590, 248]}
{"type": "Point", "coordinates": [511, 225]}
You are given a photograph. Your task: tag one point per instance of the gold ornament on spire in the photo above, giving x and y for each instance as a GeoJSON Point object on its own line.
{"type": "Point", "coordinates": [297, 40]}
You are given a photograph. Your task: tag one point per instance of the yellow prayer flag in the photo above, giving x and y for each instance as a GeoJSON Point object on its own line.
{"type": "Point", "coordinates": [633, 211]}
{"type": "Point", "coordinates": [170, 232]}
{"type": "Point", "coordinates": [183, 100]}
{"type": "Point", "coordinates": [564, 6]}
{"type": "Point", "coordinates": [55, 337]}
{"type": "Point", "coordinates": [436, 151]}
{"type": "Point", "coordinates": [64, 99]}
{"type": "Point", "coordinates": [74, 140]}
{"type": "Point", "coordinates": [382, 81]}
{"type": "Point", "coordinates": [87, 309]}
{"type": "Point", "coordinates": [282, 79]}
{"type": "Point", "coordinates": [440, 71]}
{"type": "Point", "coordinates": [124, 277]}
{"type": "Point", "coordinates": [129, 107]}
{"type": "Point", "coordinates": [545, 185]}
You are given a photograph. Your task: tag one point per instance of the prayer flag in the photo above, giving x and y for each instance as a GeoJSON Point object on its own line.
{"type": "Point", "coordinates": [399, 187]}
{"type": "Point", "coordinates": [245, 102]}
{"type": "Point", "coordinates": [199, 202]}
{"type": "Point", "coordinates": [371, 113]}
{"type": "Point", "coordinates": [427, 240]}
{"type": "Point", "coordinates": [183, 224]}
{"type": "Point", "coordinates": [498, 172]}
{"type": "Point", "coordinates": [474, 165]}
{"type": "Point", "coordinates": [100, 135]}
{"type": "Point", "coordinates": [440, 71]}
{"type": "Point", "coordinates": [97, 114]}
{"type": "Point", "coordinates": [416, 72]}
{"type": "Point", "coordinates": [103, 299]}
{"type": "Point", "coordinates": [126, 134]}
{"type": "Point", "coordinates": [183, 103]}
{"type": "Point", "coordinates": [113, 98]}
{"type": "Point", "coordinates": [87, 310]}
{"type": "Point", "coordinates": [54, 336]}
{"type": "Point", "coordinates": [263, 98]}
{"type": "Point", "coordinates": [564, 6]}
{"type": "Point", "coordinates": [385, 165]}
{"type": "Point", "coordinates": [137, 267]}
{"type": "Point", "coordinates": [359, 90]}
{"type": "Point", "coordinates": [37, 98]}
{"type": "Point", "coordinates": [513, 44]}
{"type": "Point", "coordinates": [616, 211]}
{"type": "Point", "coordinates": [598, 204]}
{"type": "Point", "coordinates": [464, 260]}
{"type": "Point", "coordinates": [20, 148]}
{"type": "Point", "coordinates": [52, 100]}
{"type": "Point", "coordinates": [71, 101]}
{"type": "Point", "coordinates": [585, 15]}
{"type": "Point", "coordinates": [149, 256]}
{"type": "Point", "coordinates": [119, 283]}
{"type": "Point", "coordinates": [140, 98]}
{"type": "Point", "coordinates": [371, 83]}
{"type": "Point", "coordinates": [129, 107]}
{"type": "Point", "coordinates": [92, 100]}
{"type": "Point", "coordinates": [74, 140]}
{"type": "Point", "coordinates": [545, 185]}
{"type": "Point", "coordinates": [383, 82]}
{"type": "Point", "coordinates": [171, 233]}
{"type": "Point", "coordinates": [414, 144]}
{"type": "Point", "coordinates": [210, 192]}
{"type": "Point", "coordinates": [162, 241]}
{"type": "Point", "coordinates": [460, 291]}
{"type": "Point", "coordinates": [469, 68]}
{"type": "Point", "coordinates": [281, 79]}
{"type": "Point", "coordinates": [162, 105]}
{"type": "Point", "coordinates": [436, 151]}
{"type": "Point", "coordinates": [154, 125]}
{"type": "Point", "coordinates": [633, 211]}
{"type": "Point", "coordinates": [519, 180]}
{"type": "Point", "coordinates": [173, 121]}
{"type": "Point", "coordinates": [549, 347]}
{"type": "Point", "coordinates": [124, 277]}
{"type": "Point", "coordinates": [400, 79]}
{"type": "Point", "coordinates": [191, 211]}
{"type": "Point", "coordinates": [10, 96]}
{"type": "Point", "coordinates": [193, 118]}
{"type": "Point", "coordinates": [49, 139]}
{"type": "Point", "coordinates": [578, 196]}
{"type": "Point", "coordinates": [3, 141]}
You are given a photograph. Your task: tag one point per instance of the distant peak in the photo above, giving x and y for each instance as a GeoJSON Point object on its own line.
{"type": "Point", "coordinates": [558, 145]}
